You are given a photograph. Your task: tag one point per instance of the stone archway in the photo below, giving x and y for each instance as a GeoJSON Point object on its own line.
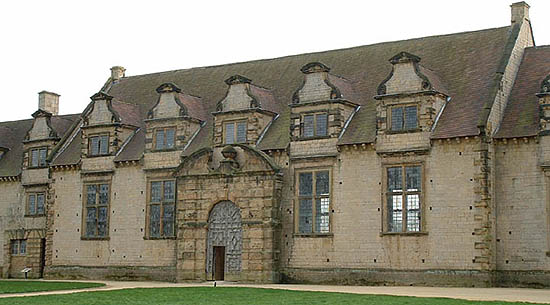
{"type": "Point", "coordinates": [225, 230]}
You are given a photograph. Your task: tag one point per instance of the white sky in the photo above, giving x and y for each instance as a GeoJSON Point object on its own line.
{"type": "Point", "coordinates": [68, 47]}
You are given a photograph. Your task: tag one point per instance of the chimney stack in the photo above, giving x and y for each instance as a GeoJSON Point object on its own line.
{"type": "Point", "coordinates": [117, 72]}
{"type": "Point", "coordinates": [520, 12]}
{"type": "Point", "coordinates": [48, 101]}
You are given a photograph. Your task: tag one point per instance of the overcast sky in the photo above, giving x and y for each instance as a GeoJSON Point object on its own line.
{"type": "Point", "coordinates": [68, 46]}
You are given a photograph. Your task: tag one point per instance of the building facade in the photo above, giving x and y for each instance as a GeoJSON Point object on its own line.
{"type": "Point", "coordinates": [422, 162]}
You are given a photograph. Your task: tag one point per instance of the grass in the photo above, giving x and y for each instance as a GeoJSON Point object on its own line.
{"type": "Point", "coordinates": [227, 295]}
{"type": "Point", "coordinates": [33, 286]}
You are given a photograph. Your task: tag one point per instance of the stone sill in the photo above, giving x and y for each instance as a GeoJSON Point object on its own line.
{"type": "Point", "coordinates": [98, 156]}
{"type": "Point", "coordinates": [35, 215]}
{"type": "Point", "coordinates": [95, 238]}
{"type": "Point", "coordinates": [313, 235]}
{"type": "Point", "coordinates": [392, 132]}
{"type": "Point", "coordinates": [36, 167]}
{"type": "Point", "coordinates": [312, 138]}
{"type": "Point", "coordinates": [422, 233]}
{"type": "Point", "coordinates": [159, 238]}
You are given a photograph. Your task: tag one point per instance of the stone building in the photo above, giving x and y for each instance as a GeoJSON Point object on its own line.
{"type": "Point", "coordinates": [423, 161]}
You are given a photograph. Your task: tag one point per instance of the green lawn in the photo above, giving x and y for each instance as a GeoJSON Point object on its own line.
{"type": "Point", "coordinates": [8, 286]}
{"type": "Point", "coordinates": [226, 295]}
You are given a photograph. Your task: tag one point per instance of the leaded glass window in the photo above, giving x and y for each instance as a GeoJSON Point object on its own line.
{"type": "Point", "coordinates": [97, 210]}
{"type": "Point", "coordinates": [235, 132]}
{"type": "Point", "coordinates": [404, 118]}
{"type": "Point", "coordinates": [36, 202]}
{"type": "Point", "coordinates": [38, 157]}
{"type": "Point", "coordinates": [18, 247]}
{"type": "Point", "coordinates": [162, 208]}
{"type": "Point", "coordinates": [165, 138]}
{"type": "Point", "coordinates": [314, 202]}
{"type": "Point", "coordinates": [98, 145]}
{"type": "Point", "coordinates": [403, 203]}
{"type": "Point", "coordinates": [315, 125]}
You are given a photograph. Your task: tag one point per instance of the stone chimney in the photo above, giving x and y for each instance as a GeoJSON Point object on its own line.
{"type": "Point", "coordinates": [117, 72]}
{"type": "Point", "coordinates": [48, 101]}
{"type": "Point", "coordinates": [520, 12]}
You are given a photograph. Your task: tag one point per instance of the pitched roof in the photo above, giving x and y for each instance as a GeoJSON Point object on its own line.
{"type": "Point", "coordinates": [465, 62]}
{"type": "Point", "coordinates": [521, 116]}
{"type": "Point", "coordinates": [12, 135]}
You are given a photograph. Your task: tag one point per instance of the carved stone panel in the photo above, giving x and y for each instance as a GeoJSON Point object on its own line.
{"type": "Point", "coordinates": [225, 229]}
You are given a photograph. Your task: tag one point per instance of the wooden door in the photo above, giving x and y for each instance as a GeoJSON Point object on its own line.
{"type": "Point", "coordinates": [219, 263]}
{"type": "Point", "coordinates": [42, 256]}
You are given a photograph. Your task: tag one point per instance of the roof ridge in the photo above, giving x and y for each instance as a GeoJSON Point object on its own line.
{"type": "Point", "coordinates": [316, 52]}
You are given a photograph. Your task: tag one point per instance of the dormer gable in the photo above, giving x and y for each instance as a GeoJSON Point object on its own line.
{"type": "Point", "coordinates": [239, 96]}
{"type": "Point", "coordinates": [407, 76]}
{"type": "Point", "coordinates": [100, 111]}
{"type": "Point", "coordinates": [544, 106]}
{"type": "Point", "coordinates": [169, 103]}
{"type": "Point", "coordinates": [322, 105]}
{"type": "Point", "coordinates": [244, 114]}
{"type": "Point", "coordinates": [41, 127]}
{"type": "Point", "coordinates": [409, 101]}
{"type": "Point", "coordinates": [317, 85]}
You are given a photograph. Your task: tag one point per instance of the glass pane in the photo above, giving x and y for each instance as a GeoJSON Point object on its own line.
{"type": "Point", "coordinates": [154, 221]}
{"type": "Point", "coordinates": [394, 179]}
{"type": "Point", "coordinates": [413, 178]}
{"type": "Point", "coordinates": [322, 215]}
{"type": "Point", "coordinates": [305, 216]}
{"type": "Point", "coordinates": [23, 247]}
{"type": "Point", "coordinates": [159, 139]}
{"type": "Point", "coordinates": [229, 133]}
{"type": "Point", "coordinates": [94, 146]}
{"type": "Point", "coordinates": [410, 117]}
{"type": "Point", "coordinates": [90, 194]}
{"type": "Point", "coordinates": [397, 118]}
{"type": "Point", "coordinates": [308, 126]}
{"type": "Point", "coordinates": [15, 247]}
{"type": "Point", "coordinates": [305, 184]}
{"type": "Point", "coordinates": [322, 183]}
{"type": "Point", "coordinates": [42, 157]}
{"type": "Point", "coordinates": [102, 222]}
{"type": "Point", "coordinates": [241, 132]}
{"type": "Point", "coordinates": [32, 204]}
{"type": "Point", "coordinates": [104, 194]}
{"type": "Point", "coordinates": [156, 191]}
{"type": "Point", "coordinates": [395, 213]}
{"type": "Point", "coordinates": [90, 222]}
{"type": "Point", "coordinates": [34, 157]}
{"type": "Point", "coordinates": [104, 145]}
{"type": "Point", "coordinates": [168, 220]}
{"type": "Point", "coordinates": [40, 204]}
{"type": "Point", "coordinates": [170, 137]}
{"type": "Point", "coordinates": [169, 191]}
{"type": "Point", "coordinates": [321, 126]}
{"type": "Point", "coordinates": [413, 213]}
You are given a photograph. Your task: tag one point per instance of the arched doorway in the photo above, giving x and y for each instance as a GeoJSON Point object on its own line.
{"type": "Point", "coordinates": [224, 245]}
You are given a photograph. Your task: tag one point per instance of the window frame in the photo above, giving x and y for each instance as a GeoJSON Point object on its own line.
{"type": "Point", "coordinates": [164, 131]}
{"type": "Point", "coordinates": [85, 207]}
{"type": "Point", "coordinates": [19, 243]}
{"type": "Point", "coordinates": [303, 125]}
{"type": "Point", "coordinates": [313, 198]}
{"type": "Point", "coordinates": [404, 118]}
{"type": "Point", "coordinates": [99, 154]}
{"type": "Point", "coordinates": [35, 194]}
{"type": "Point", "coordinates": [39, 162]}
{"type": "Point", "coordinates": [235, 131]}
{"type": "Point", "coordinates": [422, 195]}
{"type": "Point", "coordinates": [161, 203]}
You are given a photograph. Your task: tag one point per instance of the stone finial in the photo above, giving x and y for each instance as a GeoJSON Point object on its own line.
{"type": "Point", "coordinates": [117, 72]}
{"type": "Point", "coordinates": [237, 79]}
{"type": "Point", "coordinates": [520, 11]}
{"type": "Point", "coordinates": [168, 87]}
{"type": "Point", "coordinates": [49, 102]}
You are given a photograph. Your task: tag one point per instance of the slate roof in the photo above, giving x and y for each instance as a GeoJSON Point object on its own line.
{"type": "Point", "coordinates": [521, 116]}
{"type": "Point", "coordinates": [463, 65]}
{"type": "Point", "coordinates": [12, 135]}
